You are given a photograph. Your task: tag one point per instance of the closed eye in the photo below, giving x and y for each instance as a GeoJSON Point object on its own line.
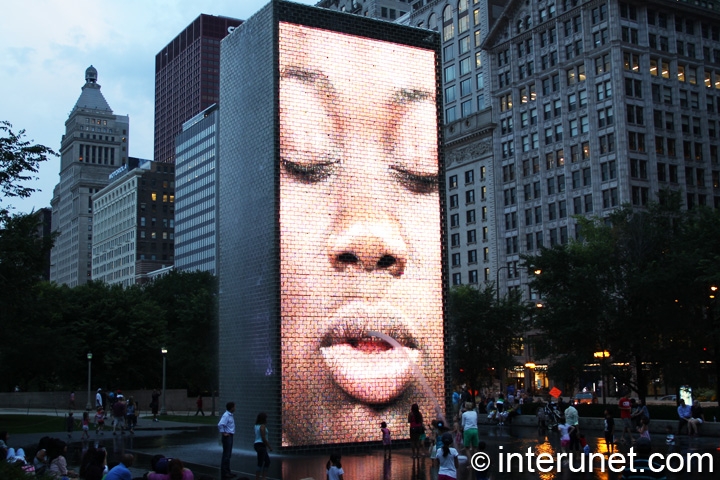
{"type": "Point", "coordinates": [421, 183]}
{"type": "Point", "coordinates": [309, 172]}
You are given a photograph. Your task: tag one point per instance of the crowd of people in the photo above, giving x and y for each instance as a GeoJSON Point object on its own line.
{"type": "Point", "coordinates": [49, 457]}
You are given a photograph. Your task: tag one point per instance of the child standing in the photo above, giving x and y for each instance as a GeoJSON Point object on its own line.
{"type": "Point", "coordinates": [644, 428]}
{"type": "Point", "coordinates": [670, 439]}
{"type": "Point", "coordinates": [447, 459]}
{"type": "Point", "coordinates": [565, 431]}
{"type": "Point", "coordinates": [334, 469]}
{"type": "Point", "coordinates": [609, 431]}
{"type": "Point", "coordinates": [386, 439]}
{"type": "Point", "coordinates": [99, 421]}
{"type": "Point", "coordinates": [85, 426]}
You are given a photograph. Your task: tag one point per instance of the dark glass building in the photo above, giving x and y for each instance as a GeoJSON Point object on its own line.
{"type": "Point", "coordinates": [187, 79]}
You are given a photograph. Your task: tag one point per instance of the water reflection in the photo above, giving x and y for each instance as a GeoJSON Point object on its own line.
{"type": "Point", "coordinates": [202, 448]}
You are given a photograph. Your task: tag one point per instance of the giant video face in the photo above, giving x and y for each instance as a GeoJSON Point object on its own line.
{"type": "Point", "coordinates": [360, 236]}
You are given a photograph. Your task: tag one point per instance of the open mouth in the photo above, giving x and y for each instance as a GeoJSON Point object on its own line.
{"type": "Point", "coordinates": [370, 352]}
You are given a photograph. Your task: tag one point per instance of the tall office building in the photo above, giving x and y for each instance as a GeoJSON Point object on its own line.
{"type": "Point", "coordinates": [599, 104]}
{"type": "Point", "coordinates": [196, 187]}
{"type": "Point", "coordinates": [187, 79]}
{"type": "Point", "coordinates": [382, 9]}
{"type": "Point", "coordinates": [94, 145]}
{"type": "Point", "coordinates": [133, 223]}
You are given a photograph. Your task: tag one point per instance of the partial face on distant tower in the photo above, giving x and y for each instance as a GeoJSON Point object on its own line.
{"type": "Point", "coordinates": [360, 237]}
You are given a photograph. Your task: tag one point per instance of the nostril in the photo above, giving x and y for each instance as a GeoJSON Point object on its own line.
{"type": "Point", "coordinates": [386, 261]}
{"type": "Point", "coordinates": [347, 258]}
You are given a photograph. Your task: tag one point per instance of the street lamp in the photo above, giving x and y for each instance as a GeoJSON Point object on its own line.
{"type": "Point", "coordinates": [162, 410]}
{"type": "Point", "coordinates": [602, 355]}
{"type": "Point", "coordinates": [88, 406]}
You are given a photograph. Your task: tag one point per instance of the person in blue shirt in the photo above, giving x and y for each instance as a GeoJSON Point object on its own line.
{"type": "Point", "coordinates": [121, 471]}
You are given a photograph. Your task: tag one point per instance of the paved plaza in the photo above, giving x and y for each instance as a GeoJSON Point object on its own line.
{"type": "Point", "coordinates": [199, 448]}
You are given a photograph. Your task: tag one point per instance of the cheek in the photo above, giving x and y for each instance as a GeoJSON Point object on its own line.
{"type": "Point", "coordinates": [305, 215]}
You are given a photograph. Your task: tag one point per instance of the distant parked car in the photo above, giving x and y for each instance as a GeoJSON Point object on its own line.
{"type": "Point", "coordinates": [584, 397]}
{"type": "Point", "coordinates": [669, 398]}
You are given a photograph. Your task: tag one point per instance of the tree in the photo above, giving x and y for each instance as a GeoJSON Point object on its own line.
{"type": "Point", "coordinates": [482, 329]}
{"type": "Point", "coordinates": [188, 301]}
{"type": "Point", "coordinates": [19, 160]}
{"type": "Point", "coordinates": [23, 259]}
{"type": "Point", "coordinates": [631, 283]}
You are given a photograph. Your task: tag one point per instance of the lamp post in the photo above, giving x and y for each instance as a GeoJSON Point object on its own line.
{"type": "Point", "coordinates": [497, 280]}
{"type": "Point", "coordinates": [162, 410]}
{"type": "Point", "coordinates": [602, 355]}
{"type": "Point", "coordinates": [88, 406]}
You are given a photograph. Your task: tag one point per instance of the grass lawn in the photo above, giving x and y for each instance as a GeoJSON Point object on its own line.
{"type": "Point", "coordinates": [15, 424]}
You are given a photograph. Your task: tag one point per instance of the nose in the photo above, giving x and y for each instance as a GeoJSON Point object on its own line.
{"type": "Point", "coordinates": [369, 245]}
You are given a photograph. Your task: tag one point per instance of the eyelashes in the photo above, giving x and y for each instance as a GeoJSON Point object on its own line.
{"type": "Point", "coordinates": [309, 173]}
{"type": "Point", "coordinates": [421, 183]}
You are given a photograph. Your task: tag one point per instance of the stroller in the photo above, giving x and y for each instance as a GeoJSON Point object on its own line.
{"type": "Point", "coordinates": [551, 416]}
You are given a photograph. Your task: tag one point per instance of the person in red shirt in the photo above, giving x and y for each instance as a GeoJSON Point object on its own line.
{"type": "Point", "coordinates": [625, 415]}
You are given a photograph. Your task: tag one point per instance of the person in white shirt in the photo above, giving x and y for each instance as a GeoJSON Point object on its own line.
{"type": "Point", "coordinates": [470, 428]}
{"type": "Point", "coordinates": [447, 459]}
{"type": "Point", "coordinates": [226, 426]}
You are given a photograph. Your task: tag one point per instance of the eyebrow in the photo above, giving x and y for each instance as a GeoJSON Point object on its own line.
{"type": "Point", "coordinates": [315, 78]}
{"type": "Point", "coordinates": [406, 96]}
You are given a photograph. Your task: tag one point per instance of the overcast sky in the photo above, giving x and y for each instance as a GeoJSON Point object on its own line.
{"type": "Point", "coordinates": [46, 45]}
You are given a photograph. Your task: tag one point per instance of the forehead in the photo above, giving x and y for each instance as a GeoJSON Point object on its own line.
{"type": "Point", "coordinates": [357, 60]}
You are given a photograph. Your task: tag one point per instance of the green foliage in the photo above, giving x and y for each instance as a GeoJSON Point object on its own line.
{"type": "Point", "coordinates": [635, 284]}
{"type": "Point", "coordinates": [19, 160]}
{"type": "Point", "coordinates": [482, 329]}
{"type": "Point", "coordinates": [124, 329]}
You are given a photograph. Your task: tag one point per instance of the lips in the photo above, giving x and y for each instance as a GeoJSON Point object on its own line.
{"type": "Point", "coordinates": [364, 365]}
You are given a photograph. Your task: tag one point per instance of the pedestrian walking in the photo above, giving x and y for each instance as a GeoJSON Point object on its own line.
{"type": "Point", "coordinates": [199, 403]}
{"type": "Point", "coordinates": [72, 400]}
{"type": "Point", "coordinates": [226, 426]}
{"type": "Point", "coordinates": [155, 404]}
{"type": "Point", "coordinates": [119, 410]}
{"type": "Point", "coordinates": [98, 398]}
{"type": "Point", "coordinates": [609, 431]}
{"type": "Point", "coordinates": [261, 446]}
{"type": "Point", "coordinates": [131, 415]}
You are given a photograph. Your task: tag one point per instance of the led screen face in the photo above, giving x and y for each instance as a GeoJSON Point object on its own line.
{"type": "Point", "coordinates": [361, 277]}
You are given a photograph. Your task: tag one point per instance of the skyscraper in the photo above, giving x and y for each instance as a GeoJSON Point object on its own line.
{"type": "Point", "coordinates": [133, 223]}
{"type": "Point", "coordinates": [196, 188]}
{"type": "Point", "coordinates": [94, 145]}
{"type": "Point", "coordinates": [187, 78]}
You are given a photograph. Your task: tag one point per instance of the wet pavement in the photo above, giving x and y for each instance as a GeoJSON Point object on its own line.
{"type": "Point", "coordinates": [200, 450]}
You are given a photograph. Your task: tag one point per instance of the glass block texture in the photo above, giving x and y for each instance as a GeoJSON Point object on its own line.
{"type": "Point", "coordinates": [331, 251]}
